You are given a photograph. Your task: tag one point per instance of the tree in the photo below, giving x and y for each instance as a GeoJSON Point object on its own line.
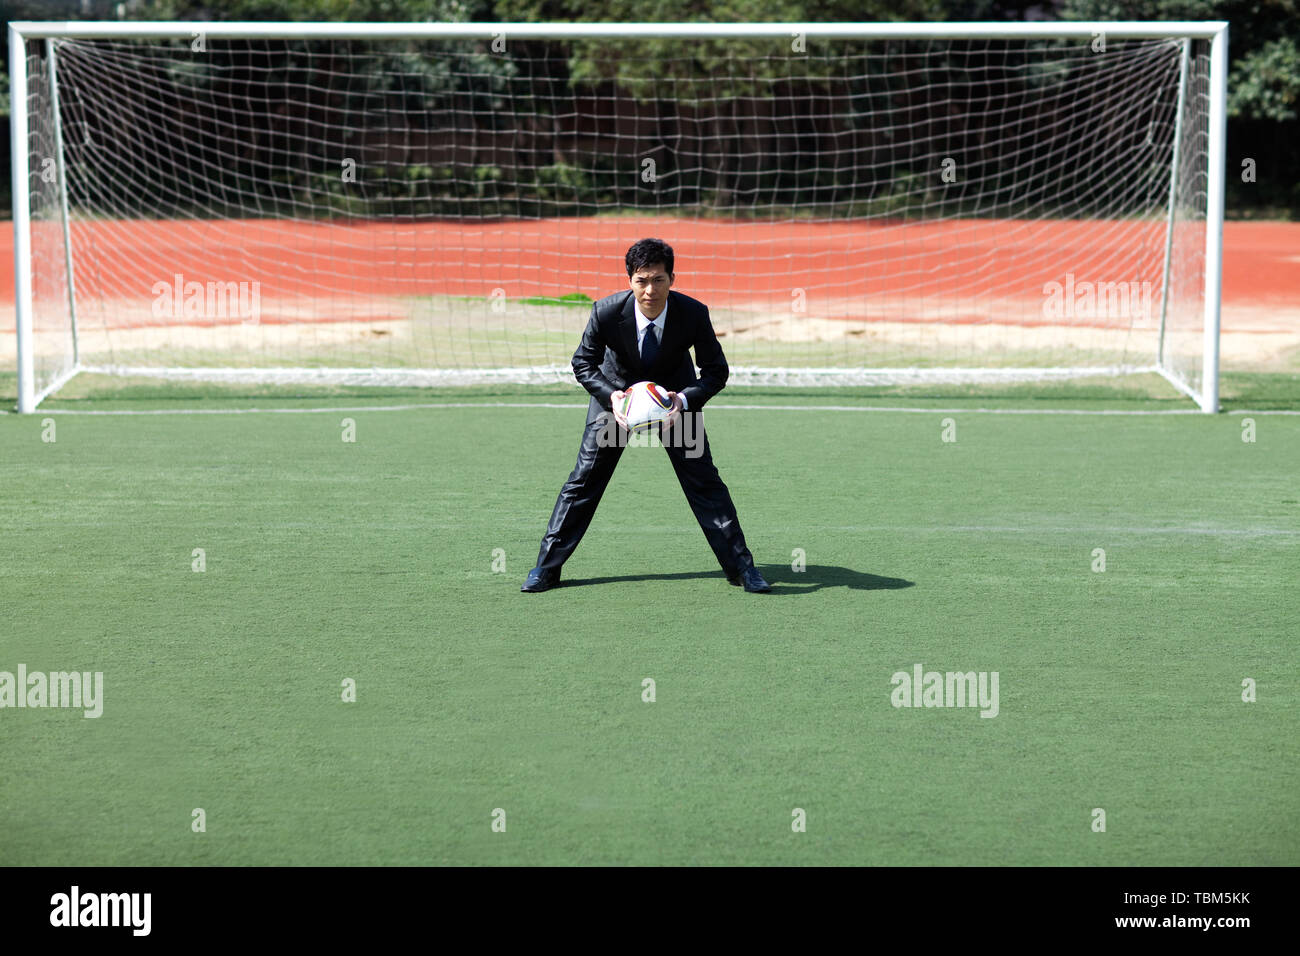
{"type": "Point", "coordinates": [1263, 88]}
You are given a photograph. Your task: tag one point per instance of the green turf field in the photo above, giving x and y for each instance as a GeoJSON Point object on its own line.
{"type": "Point", "coordinates": [373, 560]}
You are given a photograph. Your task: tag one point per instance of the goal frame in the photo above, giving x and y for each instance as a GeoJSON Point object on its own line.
{"type": "Point", "coordinates": [1216, 32]}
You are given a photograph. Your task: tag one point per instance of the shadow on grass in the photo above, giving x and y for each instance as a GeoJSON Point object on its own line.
{"type": "Point", "coordinates": [783, 579]}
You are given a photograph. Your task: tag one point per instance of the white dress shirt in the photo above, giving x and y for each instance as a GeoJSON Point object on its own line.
{"type": "Point", "coordinates": [644, 322]}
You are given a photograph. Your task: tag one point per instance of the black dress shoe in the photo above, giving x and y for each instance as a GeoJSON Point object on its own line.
{"type": "Point", "coordinates": [539, 580]}
{"type": "Point", "coordinates": [751, 580]}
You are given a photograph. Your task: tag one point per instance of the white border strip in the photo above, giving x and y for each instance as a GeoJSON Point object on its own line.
{"type": "Point", "coordinates": [150, 29]}
{"type": "Point", "coordinates": [740, 376]}
{"type": "Point", "coordinates": [22, 216]}
{"type": "Point", "coordinates": [417, 406]}
{"type": "Point", "coordinates": [1214, 189]}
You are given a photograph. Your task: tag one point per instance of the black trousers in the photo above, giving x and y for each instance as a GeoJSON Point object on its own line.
{"type": "Point", "coordinates": [705, 491]}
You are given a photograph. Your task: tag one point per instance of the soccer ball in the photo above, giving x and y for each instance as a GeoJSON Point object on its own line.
{"type": "Point", "coordinates": [644, 405]}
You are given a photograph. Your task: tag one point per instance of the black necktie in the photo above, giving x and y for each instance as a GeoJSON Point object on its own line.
{"type": "Point", "coordinates": [649, 346]}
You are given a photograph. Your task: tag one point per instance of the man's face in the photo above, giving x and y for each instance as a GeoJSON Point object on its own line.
{"type": "Point", "coordinates": [650, 286]}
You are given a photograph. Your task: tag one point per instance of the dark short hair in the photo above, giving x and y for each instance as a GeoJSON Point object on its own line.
{"type": "Point", "coordinates": [646, 252]}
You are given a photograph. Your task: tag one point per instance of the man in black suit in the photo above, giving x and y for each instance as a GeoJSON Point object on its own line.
{"type": "Point", "coordinates": [645, 334]}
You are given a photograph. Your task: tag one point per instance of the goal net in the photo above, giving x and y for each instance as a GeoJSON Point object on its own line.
{"type": "Point", "coordinates": [327, 203]}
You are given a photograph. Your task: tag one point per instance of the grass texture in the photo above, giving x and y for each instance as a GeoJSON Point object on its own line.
{"type": "Point", "coordinates": [377, 561]}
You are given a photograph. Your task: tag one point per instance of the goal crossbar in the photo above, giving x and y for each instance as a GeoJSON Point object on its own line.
{"type": "Point", "coordinates": [153, 30]}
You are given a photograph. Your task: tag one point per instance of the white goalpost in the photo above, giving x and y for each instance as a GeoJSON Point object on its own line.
{"type": "Point", "coordinates": [431, 204]}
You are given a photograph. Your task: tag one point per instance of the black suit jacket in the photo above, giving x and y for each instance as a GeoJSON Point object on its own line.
{"type": "Point", "coordinates": [608, 361]}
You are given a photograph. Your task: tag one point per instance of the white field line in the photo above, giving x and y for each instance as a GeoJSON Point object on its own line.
{"type": "Point", "coordinates": [998, 529]}
{"type": "Point", "coordinates": [335, 409]}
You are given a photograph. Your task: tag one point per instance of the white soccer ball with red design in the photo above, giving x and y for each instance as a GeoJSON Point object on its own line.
{"type": "Point", "coordinates": [645, 404]}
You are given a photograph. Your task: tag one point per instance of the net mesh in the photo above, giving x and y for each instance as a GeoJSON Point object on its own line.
{"type": "Point", "coordinates": [422, 211]}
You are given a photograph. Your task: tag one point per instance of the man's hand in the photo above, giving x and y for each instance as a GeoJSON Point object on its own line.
{"type": "Point", "coordinates": [675, 412]}
{"type": "Point", "coordinates": [615, 402]}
